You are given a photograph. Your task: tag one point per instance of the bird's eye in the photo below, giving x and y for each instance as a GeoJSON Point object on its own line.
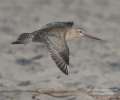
{"type": "Point", "coordinates": [80, 31]}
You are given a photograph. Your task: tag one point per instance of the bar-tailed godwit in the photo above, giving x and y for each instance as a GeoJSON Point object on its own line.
{"type": "Point", "coordinates": [54, 35]}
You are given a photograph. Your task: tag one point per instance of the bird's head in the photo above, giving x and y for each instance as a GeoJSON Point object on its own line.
{"type": "Point", "coordinates": [75, 33]}
{"type": "Point", "coordinates": [79, 33]}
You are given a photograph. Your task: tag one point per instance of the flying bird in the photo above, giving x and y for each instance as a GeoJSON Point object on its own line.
{"type": "Point", "coordinates": [55, 35]}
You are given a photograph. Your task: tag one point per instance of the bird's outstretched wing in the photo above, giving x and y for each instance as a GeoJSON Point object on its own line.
{"type": "Point", "coordinates": [56, 43]}
{"type": "Point", "coordinates": [24, 38]}
{"type": "Point", "coordinates": [59, 52]}
{"type": "Point", "coordinates": [54, 25]}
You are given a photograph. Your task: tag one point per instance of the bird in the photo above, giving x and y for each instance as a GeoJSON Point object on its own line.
{"type": "Point", "coordinates": [55, 35]}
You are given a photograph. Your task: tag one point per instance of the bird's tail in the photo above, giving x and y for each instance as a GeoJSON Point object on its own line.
{"type": "Point", "coordinates": [17, 42]}
{"type": "Point", "coordinates": [24, 38]}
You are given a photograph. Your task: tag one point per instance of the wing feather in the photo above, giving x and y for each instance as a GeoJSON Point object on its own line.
{"type": "Point", "coordinates": [54, 25]}
{"type": "Point", "coordinates": [60, 55]}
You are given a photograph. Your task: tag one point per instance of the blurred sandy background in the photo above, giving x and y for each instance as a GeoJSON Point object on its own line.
{"type": "Point", "coordinates": [93, 63]}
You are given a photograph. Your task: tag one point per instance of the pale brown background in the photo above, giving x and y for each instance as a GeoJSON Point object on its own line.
{"type": "Point", "coordinates": [94, 63]}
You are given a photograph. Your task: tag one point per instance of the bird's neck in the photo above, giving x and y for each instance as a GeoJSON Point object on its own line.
{"type": "Point", "coordinates": [72, 34]}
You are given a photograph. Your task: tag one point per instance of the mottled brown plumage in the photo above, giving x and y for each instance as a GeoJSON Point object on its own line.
{"type": "Point", "coordinates": [54, 36]}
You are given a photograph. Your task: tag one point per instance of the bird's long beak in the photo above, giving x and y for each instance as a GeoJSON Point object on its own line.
{"type": "Point", "coordinates": [92, 37]}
